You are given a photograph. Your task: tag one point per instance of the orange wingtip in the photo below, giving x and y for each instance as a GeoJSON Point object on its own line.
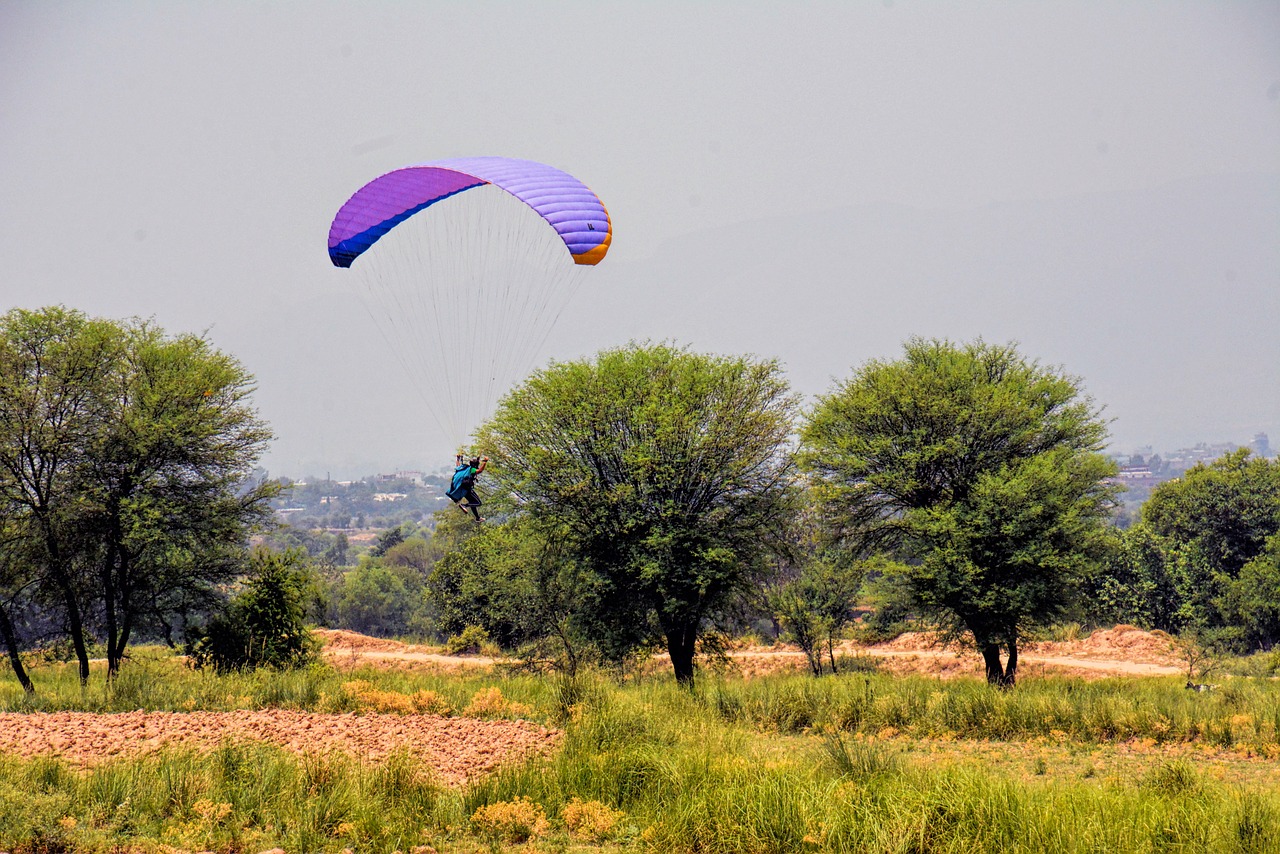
{"type": "Point", "coordinates": [592, 256]}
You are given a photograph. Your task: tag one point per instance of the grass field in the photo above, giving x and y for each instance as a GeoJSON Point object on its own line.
{"type": "Point", "coordinates": [864, 762]}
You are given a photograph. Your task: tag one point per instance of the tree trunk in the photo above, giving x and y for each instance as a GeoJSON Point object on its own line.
{"type": "Point", "coordinates": [15, 660]}
{"type": "Point", "coordinates": [75, 623]}
{"type": "Point", "coordinates": [681, 642]}
{"type": "Point", "coordinates": [831, 653]}
{"type": "Point", "coordinates": [167, 631]}
{"type": "Point", "coordinates": [570, 654]}
{"type": "Point", "coordinates": [108, 573]}
{"type": "Point", "coordinates": [998, 674]}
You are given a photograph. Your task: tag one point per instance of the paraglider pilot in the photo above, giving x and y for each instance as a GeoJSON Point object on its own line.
{"type": "Point", "coordinates": [462, 491]}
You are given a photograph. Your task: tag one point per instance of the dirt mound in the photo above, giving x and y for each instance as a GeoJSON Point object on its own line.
{"type": "Point", "coordinates": [335, 640]}
{"type": "Point", "coordinates": [1122, 643]}
{"type": "Point", "coordinates": [457, 749]}
{"type": "Point", "coordinates": [351, 650]}
{"type": "Point", "coordinates": [916, 641]}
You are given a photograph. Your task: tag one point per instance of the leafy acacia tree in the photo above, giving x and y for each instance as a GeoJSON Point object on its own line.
{"type": "Point", "coordinates": [166, 501]}
{"type": "Point", "coordinates": [53, 402]}
{"type": "Point", "coordinates": [125, 458]}
{"type": "Point", "coordinates": [663, 473]}
{"type": "Point", "coordinates": [816, 606]}
{"type": "Point", "coordinates": [818, 586]}
{"type": "Point", "coordinates": [979, 467]}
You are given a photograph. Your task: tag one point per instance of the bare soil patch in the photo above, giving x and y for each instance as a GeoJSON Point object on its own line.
{"type": "Point", "coordinates": [457, 749]}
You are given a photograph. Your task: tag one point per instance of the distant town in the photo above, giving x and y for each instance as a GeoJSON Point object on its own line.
{"type": "Point", "coordinates": [388, 499]}
{"type": "Point", "coordinates": [1144, 469]}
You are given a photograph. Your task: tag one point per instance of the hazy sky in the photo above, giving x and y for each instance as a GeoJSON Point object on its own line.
{"type": "Point", "coordinates": [182, 161]}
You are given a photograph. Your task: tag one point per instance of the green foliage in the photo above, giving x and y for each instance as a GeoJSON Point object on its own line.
{"type": "Point", "coordinates": [979, 467]}
{"type": "Point", "coordinates": [387, 540]}
{"type": "Point", "coordinates": [815, 607]}
{"type": "Point", "coordinates": [378, 599]}
{"type": "Point", "coordinates": [1213, 550]}
{"type": "Point", "coordinates": [472, 639]}
{"type": "Point", "coordinates": [891, 600]}
{"type": "Point", "coordinates": [660, 474]}
{"type": "Point", "coordinates": [494, 578]}
{"type": "Point", "coordinates": [1226, 510]}
{"type": "Point", "coordinates": [264, 625]}
{"type": "Point", "coordinates": [125, 465]}
{"type": "Point", "coordinates": [1251, 601]}
{"type": "Point", "coordinates": [1203, 559]}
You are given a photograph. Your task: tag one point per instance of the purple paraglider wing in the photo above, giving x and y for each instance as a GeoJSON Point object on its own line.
{"type": "Point", "coordinates": [567, 205]}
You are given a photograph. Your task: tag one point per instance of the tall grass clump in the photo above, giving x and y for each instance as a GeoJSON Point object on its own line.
{"type": "Point", "coordinates": [239, 797]}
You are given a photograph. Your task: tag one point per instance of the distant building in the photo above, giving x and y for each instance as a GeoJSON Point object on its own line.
{"type": "Point", "coordinates": [417, 478]}
{"type": "Point", "coordinates": [1261, 445]}
{"type": "Point", "coordinates": [389, 496]}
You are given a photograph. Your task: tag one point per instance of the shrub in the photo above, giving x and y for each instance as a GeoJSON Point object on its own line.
{"type": "Point", "coordinates": [374, 699]}
{"type": "Point", "coordinates": [469, 642]}
{"type": "Point", "coordinates": [430, 703]}
{"type": "Point", "coordinates": [489, 703]}
{"type": "Point", "coordinates": [590, 821]}
{"type": "Point", "coordinates": [510, 821]}
{"type": "Point", "coordinates": [1172, 778]}
{"type": "Point", "coordinates": [858, 760]}
{"type": "Point", "coordinates": [263, 626]}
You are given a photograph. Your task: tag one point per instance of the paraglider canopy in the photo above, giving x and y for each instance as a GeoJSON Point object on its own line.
{"type": "Point", "coordinates": [563, 201]}
{"type": "Point", "coordinates": [465, 265]}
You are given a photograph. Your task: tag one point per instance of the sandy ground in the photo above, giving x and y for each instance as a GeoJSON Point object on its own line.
{"type": "Point", "coordinates": [457, 749]}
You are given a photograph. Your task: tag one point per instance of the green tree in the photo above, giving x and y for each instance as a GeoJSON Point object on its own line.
{"type": "Point", "coordinates": [125, 458]}
{"type": "Point", "coordinates": [166, 504]}
{"type": "Point", "coordinates": [388, 540]}
{"type": "Point", "coordinates": [1251, 602]}
{"type": "Point", "coordinates": [816, 603]}
{"type": "Point", "coordinates": [1207, 526]}
{"type": "Point", "coordinates": [514, 582]}
{"type": "Point", "coordinates": [663, 471]}
{"type": "Point", "coordinates": [377, 599]}
{"type": "Point", "coordinates": [979, 468]}
{"type": "Point", "coordinates": [265, 624]}
{"type": "Point", "coordinates": [815, 607]}
{"type": "Point", "coordinates": [1227, 509]}
{"type": "Point", "coordinates": [1135, 583]}
{"type": "Point", "coordinates": [53, 403]}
